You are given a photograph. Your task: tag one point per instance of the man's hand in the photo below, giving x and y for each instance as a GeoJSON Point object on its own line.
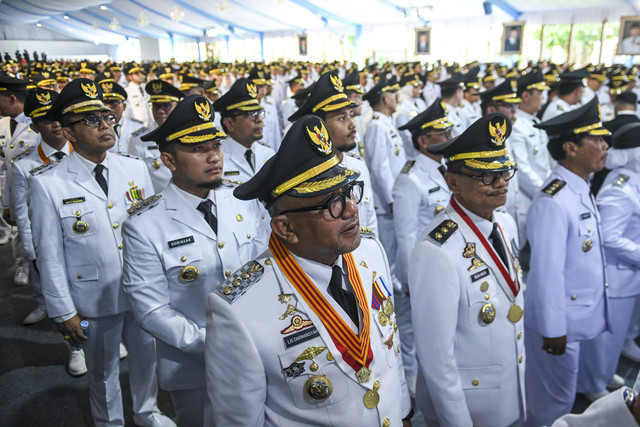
{"type": "Point", "coordinates": [71, 330]}
{"type": "Point", "coordinates": [554, 346]}
{"type": "Point", "coordinates": [391, 207]}
{"type": "Point", "coordinates": [6, 215]}
{"type": "Point", "coordinates": [406, 423]}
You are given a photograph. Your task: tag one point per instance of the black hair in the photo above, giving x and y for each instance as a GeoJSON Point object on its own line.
{"type": "Point", "coordinates": [555, 145]}
{"type": "Point", "coordinates": [21, 95]}
{"type": "Point", "coordinates": [448, 92]}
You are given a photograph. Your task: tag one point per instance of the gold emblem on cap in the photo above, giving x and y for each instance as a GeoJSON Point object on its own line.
{"type": "Point", "coordinates": [156, 87]}
{"type": "Point", "coordinates": [252, 90]}
{"type": "Point", "coordinates": [43, 98]}
{"type": "Point", "coordinates": [107, 87]}
{"type": "Point", "coordinates": [80, 227]}
{"type": "Point", "coordinates": [318, 388]}
{"type": "Point", "coordinates": [90, 90]}
{"type": "Point", "coordinates": [320, 138]}
{"type": "Point", "coordinates": [203, 110]}
{"type": "Point", "coordinates": [514, 86]}
{"type": "Point", "coordinates": [488, 313]}
{"type": "Point", "coordinates": [337, 83]}
{"type": "Point", "coordinates": [498, 133]}
{"type": "Point", "coordinates": [189, 273]}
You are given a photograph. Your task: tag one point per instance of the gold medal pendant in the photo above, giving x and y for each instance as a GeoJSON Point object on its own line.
{"type": "Point", "coordinates": [382, 318]}
{"type": "Point", "coordinates": [189, 273]}
{"type": "Point", "coordinates": [363, 375]}
{"type": "Point", "coordinates": [80, 227]}
{"type": "Point", "coordinates": [371, 399]}
{"type": "Point", "coordinates": [318, 388]}
{"type": "Point", "coordinates": [515, 313]}
{"type": "Point", "coordinates": [388, 308]}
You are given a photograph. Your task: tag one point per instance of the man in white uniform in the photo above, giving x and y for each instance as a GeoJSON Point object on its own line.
{"type": "Point", "coordinates": [180, 245]}
{"type": "Point", "coordinates": [569, 97]}
{"type": "Point", "coordinates": [137, 100]}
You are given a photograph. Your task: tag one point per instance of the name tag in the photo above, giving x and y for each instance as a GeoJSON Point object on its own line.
{"type": "Point", "coordinates": [227, 173]}
{"type": "Point", "coordinates": [585, 215]}
{"type": "Point", "coordinates": [180, 242]}
{"type": "Point", "coordinates": [434, 189]}
{"type": "Point", "coordinates": [152, 147]}
{"type": "Point", "coordinates": [300, 337]}
{"type": "Point", "coordinates": [73, 200]}
{"type": "Point", "coordinates": [479, 275]}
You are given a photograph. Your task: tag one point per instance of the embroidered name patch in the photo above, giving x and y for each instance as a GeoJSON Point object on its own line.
{"type": "Point", "coordinates": [73, 200]}
{"type": "Point", "coordinates": [227, 173]}
{"type": "Point", "coordinates": [479, 275]}
{"type": "Point", "coordinates": [180, 242]}
{"type": "Point", "coordinates": [585, 215]}
{"type": "Point", "coordinates": [434, 189]}
{"type": "Point", "coordinates": [300, 337]}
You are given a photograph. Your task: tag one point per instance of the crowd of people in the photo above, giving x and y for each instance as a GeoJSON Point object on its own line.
{"type": "Point", "coordinates": [316, 244]}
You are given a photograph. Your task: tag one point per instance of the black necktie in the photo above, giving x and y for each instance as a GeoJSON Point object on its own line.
{"type": "Point", "coordinates": [442, 169]}
{"type": "Point", "coordinates": [205, 208]}
{"type": "Point", "coordinates": [100, 178]}
{"type": "Point", "coordinates": [249, 156]}
{"type": "Point", "coordinates": [116, 128]}
{"type": "Point", "coordinates": [14, 124]}
{"type": "Point", "coordinates": [343, 297]}
{"type": "Point", "coordinates": [59, 155]}
{"type": "Point", "coordinates": [496, 240]}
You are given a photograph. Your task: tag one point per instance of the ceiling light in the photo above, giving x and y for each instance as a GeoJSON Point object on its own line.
{"type": "Point", "coordinates": [142, 20]}
{"type": "Point", "coordinates": [115, 24]}
{"type": "Point", "coordinates": [212, 32]}
{"type": "Point", "coordinates": [221, 5]}
{"type": "Point", "coordinates": [103, 7]}
{"type": "Point", "coordinates": [66, 16]}
{"type": "Point", "coordinates": [177, 14]}
{"type": "Point", "coordinates": [94, 26]}
{"type": "Point", "coordinates": [38, 25]}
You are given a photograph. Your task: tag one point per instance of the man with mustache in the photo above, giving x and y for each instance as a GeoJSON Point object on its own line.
{"type": "Point", "coordinates": [305, 333]}
{"type": "Point", "coordinates": [566, 299]}
{"type": "Point", "coordinates": [466, 289]}
{"type": "Point", "coordinates": [181, 244]}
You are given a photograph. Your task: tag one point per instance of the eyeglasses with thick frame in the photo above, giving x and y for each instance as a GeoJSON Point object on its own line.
{"type": "Point", "coordinates": [93, 121]}
{"type": "Point", "coordinates": [336, 203]}
{"type": "Point", "coordinates": [489, 178]}
{"type": "Point", "coordinates": [253, 115]}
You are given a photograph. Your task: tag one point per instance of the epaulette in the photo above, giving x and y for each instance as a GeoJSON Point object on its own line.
{"type": "Point", "coordinates": [44, 167]}
{"type": "Point", "coordinates": [131, 156]}
{"type": "Point", "coordinates": [238, 283]}
{"type": "Point", "coordinates": [407, 166]}
{"type": "Point", "coordinates": [367, 232]}
{"type": "Point", "coordinates": [264, 144]}
{"type": "Point", "coordinates": [21, 155]}
{"type": "Point", "coordinates": [139, 131]}
{"type": "Point", "coordinates": [231, 183]}
{"type": "Point", "coordinates": [442, 232]}
{"type": "Point", "coordinates": [375, 117]}
{"type": "Point", "coordinates": [133, 119]}
{"type": "Point", "coordinates": [553, 187]}
{"type": "Point", "coordinates": [559, 107]}
{"type": "Point", "coordinates": [144, 205]}
{"type": "Point", "coordinates": [622, 180]}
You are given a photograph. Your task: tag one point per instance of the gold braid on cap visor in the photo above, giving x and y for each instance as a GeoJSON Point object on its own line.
{"type": "Point", "coordinates": [304, 176]}
{"type": "Point", "coordinates": [595, 126]}
{"type": "Point", "coordinates": [440, 123]}
{"type": "Point", "coordinates": [192, 129]}
{"type": "Point", "coordinates": [329, 100]}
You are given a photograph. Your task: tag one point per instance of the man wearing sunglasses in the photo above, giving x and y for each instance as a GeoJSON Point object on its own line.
{"type": "Point", "coordinates": [181, 245]}
{"type": "Point", "coordinates": [420, 192]}
{"type": "Point", "coordinates": [242, 119]}
{"type": "Point", "coordinates": [466, 289]}
{"type": "Point", "coordinates": [567, 296]}
{"type": "Point", "coordinates": [76, 208]}
{"type": "Point", "coordinates": [305, 334]}
{"type": "Point", "coordinates": [163, 97]}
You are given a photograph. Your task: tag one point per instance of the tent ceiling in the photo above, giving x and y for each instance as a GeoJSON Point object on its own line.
{"type": "Point", "coordinates": [111, 21]}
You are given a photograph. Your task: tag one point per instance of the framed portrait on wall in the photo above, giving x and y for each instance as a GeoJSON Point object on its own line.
{"type": "Point", "coordinates": [512, 35]}
{"type": "Point", "coordinates": [302, 45]}
{"type": "Point", "coordinates": [629, 39]}
{"type": "Point", "coordinates": [423, 41]}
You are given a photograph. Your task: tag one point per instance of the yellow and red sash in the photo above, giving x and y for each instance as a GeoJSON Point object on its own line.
{"type": "Point", "coordinates": [358, 349]}
{"type": "Point", "coordinates": [46, 159]}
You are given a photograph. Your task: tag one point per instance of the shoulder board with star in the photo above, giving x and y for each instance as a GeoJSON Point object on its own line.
{"type": "Point", "coordinates": [367, 232]}
{"type": "Point", "coordinates": [131, 156]}
{"type": "Point", "coordinates": [622, 180]}
{"type": "Point", "coordinates": [144, 205]}
{"type": "Point", "coordinates": [134, 120]}
{"type": "Point", "coordinates": [231, 183]}
{"type": "Point", "coordinates": [553, 187]}
{"type": "Point", "coordinates": [139, 132]}
{"type": "Point", "coordinates": [44, 167]}
{"type": "Point", "coordinates": [407, 166]}
{"type": "Point", "coordinates": [21, 155]}
{"type": "Point", "coordinates": [375, 117]}
{"type": "Point", "coordinates": [242, 279]}
{"type": "Point", "coordinates": [443, 231]}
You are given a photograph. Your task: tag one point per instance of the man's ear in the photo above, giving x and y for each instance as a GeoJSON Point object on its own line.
{"type": "Point", "coordinates": [169, 160]}
{"type": "Point", "coordinates": [69, 135]}
{"type": "Point", "coordinates": [569, 148]}
{"type": "Point", "coordinates": [284, 229]}
{"type": "Point", "coordinates": [228, 123]}
{"type": "Point", "coordinates": [452, 182]}
{"type": "Point", "coordinates": [34, 127]}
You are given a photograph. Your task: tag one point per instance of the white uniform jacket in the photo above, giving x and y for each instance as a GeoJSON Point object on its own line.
{"type": "Point", "coordinates": [558, 106]}
{"type": "Point", "coordinates": [619, 204]}
{"type": "Point", "coordinates": [419, 194]}
{"type": "Point", "coordinates": [23, 138]}
{"type": "Point", "coordinates": [149, 153]}
{"type": "Point", "coordinates": [454, 115]}
{"type": "Point", "coordinates": [608, 411]}
{"type": "Point", "coordinates": [236, 167]}
{"type": "Point", "coordinates": [470, 112]}
{"type": "Point", "coordinates": [161, 242]}
{"type": "Point", "coordinates": [384, 155]}
{"type": "Point", "coordinates": [366, 209]}
{"type": "Point", "coordinates": [77, 234]}
{"type": "Point", "coordinates": [407, 110]}
{"type": "Point", "coordinates": [566, 287]}
{"type": "Point", "coordinates": [138, 106]}
{"type": "Point", "coordinates": [471, 372]}
{"type": "Point", "coordinates": [126, 127]}
{"type": "Point", "coordinates": [22, 166]}
{"type": "Point", "coordinates": [256, 370]}
{"type": "Point", "coordinates": [272, 131]}
{"type": "Point", "coordinates": [431, 92]}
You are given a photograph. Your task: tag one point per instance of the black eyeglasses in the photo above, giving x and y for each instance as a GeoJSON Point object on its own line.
{"type": "Point", "coordinates": [336, 203]}
{"type": "Point", "coordinates": [94, 121]}
{"type": "Point", "coordinates": [166, 106]}
{"type": "Point", "coordinates": [489, 178]}
{"type": "Point", "coordinates": [253, 115]}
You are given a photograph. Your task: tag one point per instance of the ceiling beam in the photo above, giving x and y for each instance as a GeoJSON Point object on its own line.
{"type": "Point", "coordinates": [214, 18]}
{"type": "Point", "coordinates": [633, 6]}
{"type": "Point", "coordinates": [155, 12]}
{"type": "Point", "coordinates": [262, 14]}
{"type": "Point", "coordinates": [507, 8]}
{"type": "Point", "coordinates": [323, 13]}
{"type": "Point", "coordinates": [104, 18]}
